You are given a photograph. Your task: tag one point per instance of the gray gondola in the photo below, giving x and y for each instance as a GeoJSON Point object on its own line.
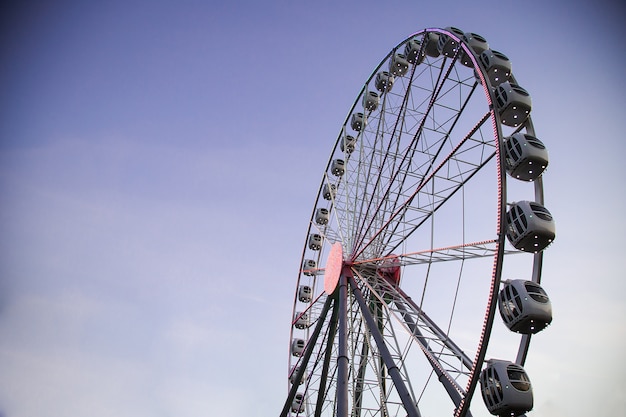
{"type": "Point", "coordinates": [322, 215]}
{"type": "Point", "coordinates": [431, 40]}
{"type": "Point", "coordinates": [384, 81]}
{"type": "Point", "coordinates": [308, 267]}
{"type": "Point", "coordinates": [524, 306]}
{"type": "Point", "coordinates": [447, 45]}
{"type": "Point", "coordinates": [357, 122]}
{"type": "Point", "coordinates": [338, 167]}
{"type": "Point", "coordinates": [477, 44]}
{"type": "Point", "coordinates": [294, 374]}
{"type": "Point", "coordinates": [348, 143]}
{"type": "Point", "coordinates": [398, 65]}
{"type": "Point", "coordinates": [301, 320]}
{"type": "Point", "coordinates": [305, 293]}
{"type": "Point", "coordinates": [297, 347]}
{"type": "Point", "coordinates": [413, 51]}
{"type": "Point", "coordinates": [530, 226]}
{"type": "Point", "coordinates": [513, 103]}
{"type": "Point", "coordinates": [329, 191]}
{"type": "Point", "coordinates": [370, 100]}
{"type": "Point", "coordinates": [497, 66]}
{"type": "Point", "coordinates": [315, 241]}
{"type": "Point", "coordinates": [526, 157]}
{"type": "Point", "coordinates": [297, 405]}
{"type": "Point", "coordinates": [506, 388]}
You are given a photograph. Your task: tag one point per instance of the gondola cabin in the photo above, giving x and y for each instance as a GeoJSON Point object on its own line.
{"type": "Point", "coordinates": [338, 167]}
{"type": "Point", "coordinates": [431, 42]}
{"type": "Point", "coordinates": [413, 51]}
{"type": "Point", "coordinates": [384, 81]}
{"type": "Point", "coordinates": [315, 241]}
{"type": "Point", "coordinates": [357, 122]}
{"type": "Point", "coordinates": [513, 104]}
{"type": "Point", "coordinates": [297, 347]}
{"type": "Point", "coordinates": [329, 192]}
{"type": "Point", "coordinates": [294, 375]}
{"type": "Point", "coordinates": [525, 156]}
{"type": "Point", "coordinates": [529, 226]}
{"type": "Point", "coordinates": [305, 293]}
{"type": "Point", "coordinates": [524, 306]}
{"type": "Point", "coordinates": [448, 46]}
{"type": "Point", "coordinates": [301, 320]}
{"type": "Point", "coordinates": [297, 406]}
{"type": "Point", "coordinates": [497, 66]}
{"type": "Point", "coordinates": [398, 65]}
{"type": "Point", "coordinates": [477, 44]}
{"type": "Point", "coordinates": [322, 215]}
{"type": "Point", "coordinates": [347, 144]}
{"type": "Point", "coordinates": [308, 267]}
{"type": "Point", "coordinates": [506, 388]}
{"type": "Point", "coordinates": [370, 100]}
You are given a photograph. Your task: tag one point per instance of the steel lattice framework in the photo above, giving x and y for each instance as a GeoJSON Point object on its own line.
{"type": "Point", "coordinates": [415, 192]}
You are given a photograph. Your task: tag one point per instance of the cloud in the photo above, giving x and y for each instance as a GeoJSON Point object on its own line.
{"type": "Point", "coordinates": [74, 354]}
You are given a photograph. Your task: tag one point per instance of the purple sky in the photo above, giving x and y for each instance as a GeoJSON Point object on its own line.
{"type": "Point", "coordinates": [159, 160]}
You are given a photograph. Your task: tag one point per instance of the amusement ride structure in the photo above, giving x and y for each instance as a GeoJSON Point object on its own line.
{"type": "Point", "coordinates": [427, 230]}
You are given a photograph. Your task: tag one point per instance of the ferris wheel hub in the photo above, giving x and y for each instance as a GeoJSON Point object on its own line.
{"type": "Point", "coordinates": [334, 265]}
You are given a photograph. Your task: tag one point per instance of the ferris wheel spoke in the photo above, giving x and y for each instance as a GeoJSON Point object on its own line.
{"type": "Point", "coordinates": [381, 391]}
{"type": "Point", "coordinates": [393, 370]}
{"type": "Point", "coordinates": [360, 375]}
{"type": "Point", "coordinates": [409, 218]}
{"type": "Point", "coordinates": [403, 172]}
{"type": "Point", "coordinates": [453, 389]}
{"type": "Point", "coordinates": [329, 233]}
{"type": "Point", "coordinates": [396, 184]}
{"type": "Point", "coordinates": [448, 183]}
{"type": "Point", "coordinates": [394, 112]}
{"type": "Point", "coordinates": [379, 134]}
{"type": "Point", "coordinates": [448, 361]}
{"type": "Point", "coordinates": [328, 354]}
{"type": "Point", "coordinates": [410, 310]}
{"type": "Point", "coordinates": [306, 356]}
{"type": "Point", "coordinates": [320, 384]}
{"type": "Point", "coordinates": [406, 156]}
{"type": "Point", "coordinates": [446, 134]}
{"type": "Point", "coordinates": [479, 249]}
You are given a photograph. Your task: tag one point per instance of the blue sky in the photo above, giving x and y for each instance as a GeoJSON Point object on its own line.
{"type": "Point", "coordinates": [159, 160]}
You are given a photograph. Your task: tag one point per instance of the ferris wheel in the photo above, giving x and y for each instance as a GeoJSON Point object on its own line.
{"type": "Point", "coordinates": [429, 217]}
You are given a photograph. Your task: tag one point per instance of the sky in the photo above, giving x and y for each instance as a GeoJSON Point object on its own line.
{"type": "Point", "coordinates": [158, 165]}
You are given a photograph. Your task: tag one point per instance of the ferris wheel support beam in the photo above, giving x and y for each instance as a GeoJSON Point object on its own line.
{"type": "Point", "coordinates": [393, 370]}
{"type": "Point", "coordinates": [342, 359]}
{"type": "Point", "coordinates": [332, 331]}
{"type": "Point", "coordinates": [435, 329]}
{"type": "Point", "coordinates": [444, 378]}
{"type": "Point", "coordinates": [358, 391]}
{"type": "Point", "coordinates": [307, 355]}
{"type": "Point", "coordinates": [411, 314]}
